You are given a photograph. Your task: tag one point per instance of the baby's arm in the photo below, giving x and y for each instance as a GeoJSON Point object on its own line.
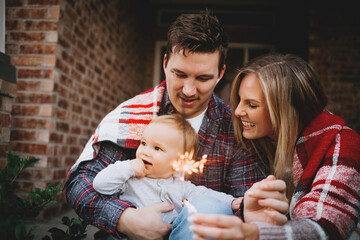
{"type": "Point", "coordinates": [112, 179]}
{"type": "Point", "coordinates": [138, 166]}
{"type": "Point", "coordinates": [236, 203]}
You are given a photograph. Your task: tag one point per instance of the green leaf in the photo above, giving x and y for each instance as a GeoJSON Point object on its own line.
{"type": "Point", "coordinates": [49, 204]}
{"type": "Point", "coordinates": [20, 231]}
{"type": "Point", "coordinates": [35, 197]}
{"type": "Point", "coordinates": [66, 221]}
{"type": "Point", "coordinates": [58, 234]}
{"type": "Point", "coordinates": [31, 162]}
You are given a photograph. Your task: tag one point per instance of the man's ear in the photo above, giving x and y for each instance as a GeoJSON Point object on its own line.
{"type": "Point", "coordinates": [221, 73]}
{"type": "Point", "coordinates": [164, 61]}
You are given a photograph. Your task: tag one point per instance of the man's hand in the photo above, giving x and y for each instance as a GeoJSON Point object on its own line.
{"type": "Point", "coordinates": [145, 223]}
{"type": "Point", "coordinates": [138, 166]}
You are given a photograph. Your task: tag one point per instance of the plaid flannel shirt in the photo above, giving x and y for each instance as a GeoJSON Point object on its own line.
{"type": "Point", "coordinates": [229, 167]}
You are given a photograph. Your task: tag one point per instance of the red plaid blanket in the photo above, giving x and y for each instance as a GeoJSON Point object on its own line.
{"type": "Point", "coordinates": [326, 175]}
{"type": "Point", "coordinates": [126, 123]}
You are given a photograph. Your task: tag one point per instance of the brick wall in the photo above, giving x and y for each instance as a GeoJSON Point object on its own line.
{"type": "Point", "coordinates": [76, 61]}
{"type": "Point", "coordinates": [7, 95]}
{"type": "Point", "coordinates": [334, 51]}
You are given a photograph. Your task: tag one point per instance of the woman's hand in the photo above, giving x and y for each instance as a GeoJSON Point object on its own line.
{"type": "Point", "coordinates": [266, 201]}
{"type": "Point", "coordinates": [222, 227]}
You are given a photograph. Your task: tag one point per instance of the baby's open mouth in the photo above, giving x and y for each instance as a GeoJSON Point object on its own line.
{"type": "Point", "coordinates": [147, 163]}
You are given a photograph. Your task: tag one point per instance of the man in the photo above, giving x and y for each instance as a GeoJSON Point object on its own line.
{"type": "Point", "coordinates": [194, 63]}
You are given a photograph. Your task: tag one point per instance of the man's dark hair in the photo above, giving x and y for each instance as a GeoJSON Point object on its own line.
{"type": "Point", "coordinates": [197, 33]}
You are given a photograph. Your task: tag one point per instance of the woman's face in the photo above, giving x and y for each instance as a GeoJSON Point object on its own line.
{"type": "Point", "coordinates": [253, 110]}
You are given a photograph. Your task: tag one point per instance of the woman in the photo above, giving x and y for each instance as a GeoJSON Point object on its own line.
{"type": "Point", "coordinates": [278, 104]}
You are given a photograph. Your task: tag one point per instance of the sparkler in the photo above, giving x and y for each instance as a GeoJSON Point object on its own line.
{"type": "Point", "coordinates": [186, 163]}
{"type": "Point", "coordinates": [189, 206]}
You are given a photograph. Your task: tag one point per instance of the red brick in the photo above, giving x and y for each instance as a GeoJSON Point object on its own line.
{"type": "Point", "coordinates": [46, 110]}
{"type": "Point", "coordinates": [27, 60]}
{"type": "Point", "coordinates": [47, 86]}
{"type": "Point", "coordinates": [12, 25]}
{"type": "Point", "coordinates": [35, 73]}
{"type": "Point", "coordinates": [20, 13]}
{"type": "Point", "coordinates": [36, 174]}
{"type": "Point", "coordinates": [26, 110]}
{"type": "Point", "coordinates": [80, 67]}
{"type": "Point", "coordinates": [6, 103]}
{"type": "Point", "coordinates": [4, 148]}
{"type": "Point", "coordinates": [56, 137]}
{"type": "Point", "coordinates": [7, 88]}
{"type": "Point", "coordinates": [75, 150]}
{"type": "Point", "coordinates": [40, 25]}
{"type": "Point", "coordinates": [39, 13]}
{"type": "Point", "coordinates": [29, 148]}
{"type": "Point", "coordinates": [5, 119]}
{"type": "Point", "coordinates": [59, 174]}
{"type": "Point", "coordinates": [22, 186]}
{"type": "Point", "coordinates": [23, 135]}
{"type": "Point", "coordinates": [54, 13]}
{"type": "Point", "coordinates": [67, 58]}
{"type": "Point", "coordinates": [74, 96]}
{"type": "Point", "coordinates": [69, 161]}
{"type": "Point", "coordinates": [65, 81]}
{"type": "Point", "coordinates": [62, 66]}
{"type": "Point", "coordinates": [11, 48]}
{"type": "Point", "coordinates": [32, 123]}
{"type": "Point", "coordinates": [29, 85]}
{"type": "Point", "coordinates": [76, 75]}
{"type": "Point", "coordinates": [14, 3]}
{"type": "Point", "coordinates": [77, 108]}
{"type": "Point", "coordinates": [60, 150]}
{"type": "Point", "coordinates": [49, 61]}
{"type": "Point", "coordinates": [62, 126]}
{"type": "Point", "coordinates": [35, 98]}
{"type": "Point", "coordinates": [38, 49]}
{"type": "Point", "coordinates": [43, 2]}
{"type": "Point", "coordinates": [26, 37]}
{"type": "Point", "coordinates": [63, 103]}
{"type": "Point", "coordinates": [70, 139]}
{"type": "Point", "coordinates": [60, 114]}
{"type": "Point", "coordinates": [75, 130]}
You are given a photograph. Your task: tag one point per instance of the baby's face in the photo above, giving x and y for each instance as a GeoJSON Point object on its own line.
{"type": "Point", "coordinates": [160, 146]}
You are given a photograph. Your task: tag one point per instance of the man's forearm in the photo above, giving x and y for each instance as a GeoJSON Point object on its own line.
{"type": "Point", "coordinates": [100, 210]}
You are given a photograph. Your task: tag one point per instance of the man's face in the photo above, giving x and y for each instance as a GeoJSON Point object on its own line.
{"type": "Point", "coordinates": [191, 79]}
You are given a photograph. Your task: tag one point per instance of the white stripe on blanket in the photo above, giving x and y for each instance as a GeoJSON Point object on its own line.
{"type": "Point", "coordinates": [329, 178]}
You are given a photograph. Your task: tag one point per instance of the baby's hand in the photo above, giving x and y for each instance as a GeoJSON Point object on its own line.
{"type": "Point", "coordinates": [235, 205]}
{"type": "Point", "coordinates": [138, 166]}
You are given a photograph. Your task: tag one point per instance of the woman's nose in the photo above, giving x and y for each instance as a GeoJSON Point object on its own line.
{"type": "Point", "coordinates": [240, 111]}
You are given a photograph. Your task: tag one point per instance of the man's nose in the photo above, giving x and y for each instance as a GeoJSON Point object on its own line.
{"type": "Point", "coordinates": [189, 88]}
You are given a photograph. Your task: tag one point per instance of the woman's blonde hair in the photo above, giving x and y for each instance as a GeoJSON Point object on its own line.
{"type": "Point", "coordinates": [294, 97]}
{"type": "Point", "coordinates": [190, 138]}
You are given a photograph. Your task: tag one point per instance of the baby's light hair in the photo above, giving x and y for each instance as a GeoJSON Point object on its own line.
{"type": "Point", "coordinates": [181, 125]}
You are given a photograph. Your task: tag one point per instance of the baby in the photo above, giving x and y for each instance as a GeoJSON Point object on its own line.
{"type": "Point", "coordinates": [150, 178]}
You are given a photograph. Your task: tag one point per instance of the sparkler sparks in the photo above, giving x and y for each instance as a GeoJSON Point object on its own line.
{"type": "Point", "coordinates": [186, 164]}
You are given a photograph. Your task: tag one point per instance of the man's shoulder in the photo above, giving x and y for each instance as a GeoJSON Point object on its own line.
{"type": "Point", "coordinates": [220, 108]}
